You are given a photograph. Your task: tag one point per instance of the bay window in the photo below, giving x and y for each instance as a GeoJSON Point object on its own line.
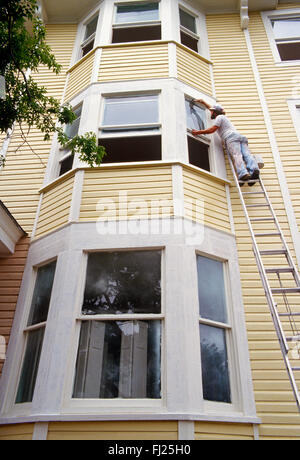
{"type": "Point", "coordinates": [135, 22]}
{"type": "Point", "coordinates": [214, 330]}
{"type": "Point", "coordinates": [130, 128]}
{"type": "Point", "coordinates": [119, 351]}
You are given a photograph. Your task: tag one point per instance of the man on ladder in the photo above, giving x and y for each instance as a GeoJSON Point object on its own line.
{"type": "Point", "coordinates": [237, 145]}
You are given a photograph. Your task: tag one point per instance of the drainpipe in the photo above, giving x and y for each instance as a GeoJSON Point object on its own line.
{"type": "Point", "coordinates": [244, 10]}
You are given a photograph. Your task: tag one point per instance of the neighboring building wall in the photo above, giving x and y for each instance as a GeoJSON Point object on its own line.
{"type": "Point", "coordinates": [237, 91]}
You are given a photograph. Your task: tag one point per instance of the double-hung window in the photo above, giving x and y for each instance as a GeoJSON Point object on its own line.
{"type": "Point", "coordinates": [89, 36]}
{"type": "Point", "coordinates": [214, 330]}
{"type": "Point", "coordinates": [198, 147]}
{"type": "Point", "coordinates": [130, 128]}
{"type": "Point", "coordinates": [138, 21]}
{"type": "Point", "coordinates": [71, 130]}
{"type": "Point", "coordinates": [188, 30]}
{"type": "Point", "coordinates": [119, 350]}
{"type": "Point", "coordinates": [286, 33]}
{"type": "Point", "coordinates": [35, 331]}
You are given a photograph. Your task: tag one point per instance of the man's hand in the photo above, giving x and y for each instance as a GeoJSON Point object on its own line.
{"type": "Point", "coordinates": [196, 132]}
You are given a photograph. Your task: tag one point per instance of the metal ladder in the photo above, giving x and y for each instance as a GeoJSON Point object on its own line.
{"type": "Point", "coordinates": [285, 317]}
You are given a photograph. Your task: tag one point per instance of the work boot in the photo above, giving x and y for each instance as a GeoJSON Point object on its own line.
{"type": "Point", "coordinates": [254, 177]}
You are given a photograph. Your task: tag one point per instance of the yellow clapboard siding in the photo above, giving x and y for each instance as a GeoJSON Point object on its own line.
{"type": "Point", "coordinates": [193, 70]}
{"type": "Point", "coordinates": [199, 188]}
{"type": "Point", "coordinates": [134, 62]}
{"type": "Point", "coordinates": [128, 430]}
{"type": "Point", "coordinates": [80, 77]}
{"type": "Point", "coordinates": [22, 431]}
{"type": "Point", "coordinates": [134, 195]}
{"type": "Point", "coordinates": [223, 431]}
{"type": "Point", "coordinates": [55, 208]}
{"type": "Point", "coordinates": [238, 94]}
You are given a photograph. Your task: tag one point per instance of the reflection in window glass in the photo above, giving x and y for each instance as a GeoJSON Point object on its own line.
{"type": "Point", "coordinates": [118, 359]}
{"type": "Point", "coordinates": [123, 283]}
{"type": "Point", "coordinates": [91, 28]}
{"type": "Point", "coordinates": [131, 110]}
{"type": "Point", "coordinates": [215, 372]}
{"type": "Point", "coordinates": [42, 293]}
{"type": "Point", "coordinates": [196, 116]}
{"type": "Point", "coordinates": [30, 365]}
{"type": "Point", "coordinates": [211, 289]}
{"type": "Point", "coordinates": [187, 20]}
{"type": "Point", "coordinates": [71, 130]}
{"type": "Point", "coordinates": [137, 13]}
{"type": "Point", "coordinates": [286, 28]}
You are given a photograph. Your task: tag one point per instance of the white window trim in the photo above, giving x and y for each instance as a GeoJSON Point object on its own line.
{"type": "Point", "coordinates": [79, 41]}
{"type": "Point", "coordinates": [195, 35]}
{"type": "Point", "coordinates": [267, 16]}
{"type": "Point", "coordinates": [294, 107]}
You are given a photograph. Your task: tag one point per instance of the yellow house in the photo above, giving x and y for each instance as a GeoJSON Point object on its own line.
{"type": "Point", "coordinates": [134, 308]}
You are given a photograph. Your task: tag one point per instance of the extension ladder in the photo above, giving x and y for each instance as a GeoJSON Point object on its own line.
{"type": "Point", "coordinates": [279, 277]}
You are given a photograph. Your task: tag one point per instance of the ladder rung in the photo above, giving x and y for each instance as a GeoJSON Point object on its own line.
{"type": "Point", "coordinates": [262, 219]}
{"type": "Point", "coordinates": [289, 314]}
{"type": "Point", "coordinates": [296, 368]}
{"type": "Point", "coordinates": [267, 234]}
{"type": "Point", "coordinates": [294, 338]}
{"type": "Point", "coordinates": [285, 290]}
{"type": "Point", "coordinates": [253, 193]}
{"type": "Point", "coordinates": [280, 270]}
{"type": "Point", "coordinates": [257, 205]}
{"type": "Point", "coordinates": [273, 252]}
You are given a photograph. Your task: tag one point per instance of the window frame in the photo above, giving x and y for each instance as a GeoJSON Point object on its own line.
{"type": "Point", "coordinates": [101, 403]}
{"type": "Point", "coordinates": [270, 16]}
{"type": "Point", "coordinates": [65, 153]}
{"type": "Point", "coordinates": [86, 41]}
{"type": "Point", "coordinates": [227, 327]}
{"type": "Point", "coordinates": [190, 33]}
{"type": "Point", "coordinates": [137, 24]}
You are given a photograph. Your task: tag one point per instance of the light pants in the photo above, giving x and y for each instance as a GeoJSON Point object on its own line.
{"type": "Point", "coordinates": [244, 161]}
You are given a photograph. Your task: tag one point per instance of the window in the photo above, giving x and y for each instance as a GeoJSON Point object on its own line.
{"type": "Point", "coordinates": [71, 130]}
{"type": "Point", "coordinates": [287, 37]}
{"type": "Point", "coordinates": [35, 331]}
{"type": "Point", "coordinates": [130, 129]}
{"type": "Point", "coordinates": [137, 22]}
{"type": "Point", "coordinates": [214, 330]}
{"type": "Point", "coordinates": [89, 36]}
{"type": "Point", "coordinates": [198, 147]}
{"type": "Point", "coordinates": [119, 352]}
{"type": "Point", "coordinates": [188, 30]}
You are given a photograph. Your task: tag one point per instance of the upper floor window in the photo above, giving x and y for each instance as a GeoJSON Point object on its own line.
{"type": "Point", "coordinates": [130, 128]}
{"type": "Point", "coordinates": [117, 357]}
{"type": "Point", "coordinates": [198, 147]}
{"type": "Point", "coordinates": [137, 22]}
{"type": "Point", "coordinates": [287, 37]}
{"type": "Point", "coordinates": [188, 30]}
{"type": "Point", "coordinates": [71, 130]}
{"type": "Point", "coordinates": [89, 36]}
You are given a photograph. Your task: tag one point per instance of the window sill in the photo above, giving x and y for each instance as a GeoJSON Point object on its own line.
{"type": "Point", "coordinates": [295, 63]}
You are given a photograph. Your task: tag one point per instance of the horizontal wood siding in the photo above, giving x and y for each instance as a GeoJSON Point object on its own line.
{"type": "Point", "coordinates": [201, 188]}
{"type": "Point", "coordinates": [18, 432]}
{"type": "Point", "coordinates": [129, 430]}
{"type": "Point", "coordinates": [237, 92]}
{"type": "Point", "coordinates": [132, 62]}
{"type": "Point", "coordinates": [80, 77]}
{"type": "Point", "coordinates": [11, 272]}
{"type": "Point", "coordinates": [193, 70]}
{"type": "Point", "coordinates": [129, 192]}
{"type": "Point", "coordinates": [55, 208]}
{"type": "Point", "coordinates": [208, 431]}
{"type": "Point", "coordinates": [23, 174]}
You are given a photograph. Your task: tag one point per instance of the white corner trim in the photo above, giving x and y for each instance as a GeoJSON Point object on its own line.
{"type": "Point", "coordinates": [40, 431]}
{"type": "Point", "coordinates": [244, 12]}
{"type": "Point", "coordinates": [186, 431]}
{"type": "Point", "coordinates": [76, 196]}
{"type": "Point", "coordinates": [275, 151]}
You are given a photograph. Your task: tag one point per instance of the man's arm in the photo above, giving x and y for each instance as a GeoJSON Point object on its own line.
{"type": "Point", "coordinates": [201, 101]}
{"type": "Point", "coordinates": [211, 130]}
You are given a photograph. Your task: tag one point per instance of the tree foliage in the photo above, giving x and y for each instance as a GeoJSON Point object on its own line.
{"type": "Point", "coordinates": [23, 49]}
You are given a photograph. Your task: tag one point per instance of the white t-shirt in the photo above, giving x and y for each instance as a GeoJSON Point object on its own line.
{"type": "Point", "coordinates": [226, 128]}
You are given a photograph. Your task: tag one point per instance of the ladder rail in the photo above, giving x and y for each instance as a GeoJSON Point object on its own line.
{"type": "Point", "coordinates": [265, 282]}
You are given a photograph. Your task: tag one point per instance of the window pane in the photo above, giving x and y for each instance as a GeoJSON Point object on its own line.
{"type": "Point", "coordinates": [118, 359]}
{"type": "Point", "coordinates": [135, 148]}
{"type": "Point", "coordinates": [215, 373]}
{"type": "Point", "coordinates": [91, 28]}
{"type": "Point", "coordinates": [136, 34]}
{"type": "Point", "coordinates": [198, 153]}
{"type": "Point", "coordinates": [66, 165]}
{"type": "Point", "coordinates": [71, 130]}
{"type": "Point", "coordinates": [286, 28]}
{"type": "Point", "coordinates": [289, 51]}
{"type": "Point", "coordinates": [211, 289]}
{"type": "Point", "coordinates": [196, 116]}
{"type": "Point", "coordinates": [42, 294]}
{"type": "Point", "coordinates": [187, 20]}
{"type": "Point", "coordinates": [30, 366]}
{"type": "Point", "coordinates": [131, 110]}
{"type": "Point", "coordinates": [137, 13]}
{"type": "Point", "coordinates": [122, 283]}
{"type": "Point", "coordinates": [189, 41]}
